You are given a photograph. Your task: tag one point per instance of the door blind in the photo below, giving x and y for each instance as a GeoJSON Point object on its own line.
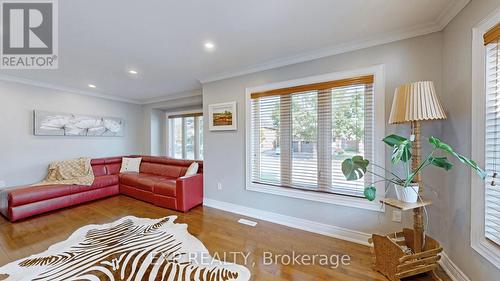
{"type": "Point", "coordinates": [301, 135]}
{"type": "Point", "coordinates": [492, 136]}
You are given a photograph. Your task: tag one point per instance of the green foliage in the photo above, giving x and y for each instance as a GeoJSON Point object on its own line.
{"type": "Point", "coordinates": [370, 193]}
{"type": "Point", "coordinates": [304, 117]}
{"type": "Point", "coordinates": [471, 163]}
{"type": "Point", "coordinates": [393, 140]}
{"type": "Point", "coordinates": [401, 152]}
{"type": "Point", "coordinates": [440, 145]}
{"type": "Point", "coordinates": [348, 117]}
{"type": "Point", "coordinates": [401, 148]}
{"type": "Point", "coordinates": [441, 162]}
{"type": "Point", "coordinates": [354, 168]}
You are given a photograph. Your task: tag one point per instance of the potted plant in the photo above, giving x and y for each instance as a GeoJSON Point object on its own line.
{"type": "Point", "coordinates": [354, 168]}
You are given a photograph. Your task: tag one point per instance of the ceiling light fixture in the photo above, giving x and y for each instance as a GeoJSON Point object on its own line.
{"type": "Point", "coordinates": [92, 86]}
{"type": "Point", "coordinates": [133, 71]}
{"type": "Point", "coordinates": [209, 46]}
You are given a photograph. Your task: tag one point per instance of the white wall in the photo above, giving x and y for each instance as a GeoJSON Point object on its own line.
{"type": "Point", "coordinates": [405, 61]}
{"type": "Point", "coordinates": [457, 89]}
{"type": "Point", "coordinates": [24, 157]}
{"type": "Point", "coordinates": [154, 125]}
{"type": "Point", "coordinates": [157, 132]}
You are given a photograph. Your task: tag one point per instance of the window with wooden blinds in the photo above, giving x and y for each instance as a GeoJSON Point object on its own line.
{"type": "Point", "coordinates": [300, 135]}
{"type": "Point", "coordinates": [492, 135]}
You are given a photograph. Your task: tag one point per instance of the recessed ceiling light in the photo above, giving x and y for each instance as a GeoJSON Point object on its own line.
{"type": "Point", "coordinates": [133, 71]}
{"type": "Point", "coordinates": [209, 45]}
{"type": "Point", "coordinates": [92, 86]}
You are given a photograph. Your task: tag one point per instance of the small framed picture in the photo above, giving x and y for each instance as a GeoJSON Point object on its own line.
{"type": "Point", "coordinates": [222, 116]}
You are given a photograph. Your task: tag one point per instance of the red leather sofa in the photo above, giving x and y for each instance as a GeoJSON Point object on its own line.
{"type": "Point", "coordinates": [160, 181]}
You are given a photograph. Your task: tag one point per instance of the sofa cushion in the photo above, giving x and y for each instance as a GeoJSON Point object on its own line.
{"type": "Point", "coordinates": [170, 171]}
{"type": "Point", "coordinates": [165, 201]}
{"type": "Point", "coordinates": [104, 181]}
{"type": "Point", "coordinates": [191, 170]}
{"type": "Point", "coordinates": [113, 160]}
{"type": "Point", "coordinates": [99, 170]}
{"type": "Point", "coordinates": [165, 187]}
{"type": "Point", "coordinates": [30, 194]}
{"type": "Point", "coordinates": [113, 169]}
{"type": "Point", "coordinates": [137, 193]}
{"type": "Point", "coordinates": [15, 213]}
{"type": "Point", "coordinates": [170, 161]}
{"type": "Point", "coordinates": [130, 165]}
{"type": "Point", "coordinates": [106, 166]}
{"type": "Point", "coordinates": [139, 180]}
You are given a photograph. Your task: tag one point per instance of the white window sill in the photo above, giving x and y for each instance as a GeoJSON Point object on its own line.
{"type": "Point", "coordinates": [334, 199]}
{"type": "Point", "coordinates": [488, 250]}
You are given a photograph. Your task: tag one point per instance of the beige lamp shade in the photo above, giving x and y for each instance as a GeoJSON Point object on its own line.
{"type": "Point", "coordinates": [416, 102]}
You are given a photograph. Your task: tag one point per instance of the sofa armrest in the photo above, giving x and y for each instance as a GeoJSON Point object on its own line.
{"type": "Point", "coordinates": [4, 203]}
{"type": "Point", "coordinates": [190, 177]}
{"type": "Point", "coordinates": [189, 192]}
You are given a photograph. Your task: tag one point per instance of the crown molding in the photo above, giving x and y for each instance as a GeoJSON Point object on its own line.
{"type": "Point", "coordinates": [186, 94]}
{"type": "Point", "coordinates": [442, 20]}
{"type": "Point", "coordinates": [325, 52]}
{"type": "Point", "coordinates": [453, 8]}
{"type": "Point", "coordinates": [450, 12]}
{"type": "Point", "coordinates": [30, 82]}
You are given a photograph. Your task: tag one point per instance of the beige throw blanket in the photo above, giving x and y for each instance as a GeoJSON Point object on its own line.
{"type": "Point", "coordinates": [74, 171]}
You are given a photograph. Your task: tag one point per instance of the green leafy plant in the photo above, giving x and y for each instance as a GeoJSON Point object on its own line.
{"type": "Point", "coordinates": [356, 167]}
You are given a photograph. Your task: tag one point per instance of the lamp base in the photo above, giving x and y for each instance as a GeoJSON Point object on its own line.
{"type": "Point", "coordinates": [418, 219]}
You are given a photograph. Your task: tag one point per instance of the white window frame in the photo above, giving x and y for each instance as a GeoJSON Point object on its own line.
{"type": "Point", "coordinates": [378, 71]}
{"type": "Point", "coordinates": [169, 136]}
{"type": "Point", "coordinates": [483, 246]}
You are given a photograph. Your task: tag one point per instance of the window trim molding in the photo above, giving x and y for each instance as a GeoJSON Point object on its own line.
{"type": "Point", "coordinates": [378, 71]}
{"type": "Point", "coordinates": [488, 249]}
{"type": "Point", "coordinates": [168, 128]}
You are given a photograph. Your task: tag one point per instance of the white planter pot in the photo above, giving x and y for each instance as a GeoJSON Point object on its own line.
{"type": "Point", "coordinates": [407, 194]}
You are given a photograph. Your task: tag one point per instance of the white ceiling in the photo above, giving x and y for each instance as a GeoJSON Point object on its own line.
{"type": "Point", "coordinates": [163, 39]}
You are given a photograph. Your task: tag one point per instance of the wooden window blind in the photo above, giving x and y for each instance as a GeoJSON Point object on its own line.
{"type": "Point", "coordinates": [300, 135]}
{"type": "Point", "coordinates": [492, 135]}
{"type": "Point", "coordinates": [492, 35]}
{"type": "Point", "coordinates": [185, 115]}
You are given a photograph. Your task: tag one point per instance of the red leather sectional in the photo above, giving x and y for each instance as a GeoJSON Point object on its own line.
{"type": "Point", "coordinates": [160, 182]}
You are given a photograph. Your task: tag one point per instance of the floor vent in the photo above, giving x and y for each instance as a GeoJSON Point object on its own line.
{"type": "Point", "coordinates": [247, 222]}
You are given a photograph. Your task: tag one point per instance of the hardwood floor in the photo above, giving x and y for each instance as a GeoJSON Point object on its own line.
{"type": "Point", "coordinates": [218, 230]}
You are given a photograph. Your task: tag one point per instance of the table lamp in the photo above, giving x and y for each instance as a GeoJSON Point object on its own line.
{"type": "Point", "coordinates": [413, 103]}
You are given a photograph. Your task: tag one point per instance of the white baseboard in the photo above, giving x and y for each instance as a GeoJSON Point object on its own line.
{"type": "Point", "coordinates": [452, 269]}
{"type": "Point", "coordinates": [302, 224]}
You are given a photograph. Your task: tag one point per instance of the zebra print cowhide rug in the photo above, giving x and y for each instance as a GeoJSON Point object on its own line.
{"type": "Point", "coordinates": [128, 249]}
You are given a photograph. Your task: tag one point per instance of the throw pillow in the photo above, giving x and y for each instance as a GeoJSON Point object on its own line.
{"type": "Point", "coordinates": [130, 164]}
{"type": "Point", "coordinates": [192, 170]}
